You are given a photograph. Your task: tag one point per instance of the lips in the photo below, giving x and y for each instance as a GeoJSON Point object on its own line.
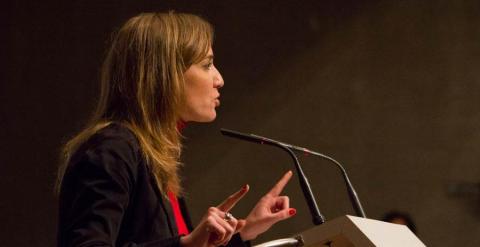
{"type": "Point", "coordinates": [217, 102]}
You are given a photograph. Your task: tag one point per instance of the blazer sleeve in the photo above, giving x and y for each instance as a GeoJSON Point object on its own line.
{"type": "Point", "coordinates": [237, 241]}
{"type": "Point", "coordinates": [95, 195]}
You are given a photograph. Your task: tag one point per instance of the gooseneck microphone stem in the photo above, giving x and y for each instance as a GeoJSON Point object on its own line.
{"type": "Point", "coordinates": [357, 206]}
{"type": "Point", "coordinates": [355, 201]}
{"type": "Point", "coordinates": [317, 217]}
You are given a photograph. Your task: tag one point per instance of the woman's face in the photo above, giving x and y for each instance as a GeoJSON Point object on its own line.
{"type": "Point", "coordinates": [202, 81]}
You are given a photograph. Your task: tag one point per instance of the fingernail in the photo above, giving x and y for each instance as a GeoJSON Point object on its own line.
{"type": "Point", "coordinates": [292, 211]}
{"type": "Point", "coordinates": [245, 187]}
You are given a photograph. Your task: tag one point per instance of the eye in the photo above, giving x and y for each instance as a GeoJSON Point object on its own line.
{"type": "Point", "coordinates": [208, 65]}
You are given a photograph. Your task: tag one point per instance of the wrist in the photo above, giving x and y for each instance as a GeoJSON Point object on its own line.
{"type": "Point", "coordinates": [246, 236]}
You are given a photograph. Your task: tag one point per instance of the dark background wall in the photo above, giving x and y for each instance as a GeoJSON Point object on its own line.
{"type": "Point", "coordinates": [389, 88]}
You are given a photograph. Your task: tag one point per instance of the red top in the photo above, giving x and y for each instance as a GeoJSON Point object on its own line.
{"type": "Point", "coordinates": [177, 213]}
{"type": "Point", "coordinates": [182, 227]}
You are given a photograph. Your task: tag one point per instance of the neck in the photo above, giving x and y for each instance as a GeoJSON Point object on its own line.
{"type": "Point", "coordinates": [181, 125]}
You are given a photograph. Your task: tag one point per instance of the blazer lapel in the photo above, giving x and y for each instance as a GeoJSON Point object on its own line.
{"type": "Point", "coordinates": [185, 213]}
{"type": "Point", "coordinates": [166, 207]}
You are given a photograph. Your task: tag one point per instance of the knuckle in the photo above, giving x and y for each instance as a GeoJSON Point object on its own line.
{"type": "Point", "coordinates": [210, 218]}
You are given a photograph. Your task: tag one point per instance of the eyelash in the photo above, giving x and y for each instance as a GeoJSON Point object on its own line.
{"type": "Point", "coordinates": [208, 65]}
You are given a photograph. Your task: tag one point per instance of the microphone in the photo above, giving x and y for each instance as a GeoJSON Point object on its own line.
{"type": "Point", "coordinates": [354, 200]}
{"type": "Point", "coordinates": [317, 217]}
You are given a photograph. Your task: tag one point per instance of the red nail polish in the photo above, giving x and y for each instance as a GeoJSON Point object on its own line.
{"type": "Point", "coordinates": [292, 211]}
{"type": "Point", "coordinates": [245, 187]}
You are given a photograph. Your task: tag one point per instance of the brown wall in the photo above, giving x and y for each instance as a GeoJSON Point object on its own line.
{"type": "Point", "coordinates": [388, 88]}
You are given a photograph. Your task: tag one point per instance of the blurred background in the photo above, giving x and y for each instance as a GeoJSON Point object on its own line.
{"type": "Point", "coordinates": [391, 89]}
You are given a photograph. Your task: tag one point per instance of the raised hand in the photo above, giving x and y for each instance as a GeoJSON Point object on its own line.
{"type": "Point", "coordinates": [270, 209]}
{"type": "Point", "coordinates": [217, 225]}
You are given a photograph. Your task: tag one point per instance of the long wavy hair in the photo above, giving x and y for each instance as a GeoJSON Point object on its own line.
{"type": "Point", "coordinates": [141, 87]}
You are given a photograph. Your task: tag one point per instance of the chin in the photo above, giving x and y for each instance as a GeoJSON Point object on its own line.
{"type": "Point", "coordinates": [207, 118]}
{"type": "Point", "coordinates": [211, 119]}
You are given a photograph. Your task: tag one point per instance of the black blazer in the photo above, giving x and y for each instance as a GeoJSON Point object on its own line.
{"type": "Point", "coordinates": [109, 197]}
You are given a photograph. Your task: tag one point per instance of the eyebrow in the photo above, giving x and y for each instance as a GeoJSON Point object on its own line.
{"type": "Point", "coordinates": [209, 57]}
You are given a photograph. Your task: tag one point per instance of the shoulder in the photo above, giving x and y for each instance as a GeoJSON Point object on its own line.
{"type": "Point", "coordinates": [113, 149]}
{"type": "Point", "coordinates": [114, 138]}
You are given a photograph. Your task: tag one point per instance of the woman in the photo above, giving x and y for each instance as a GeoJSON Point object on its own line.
{"type": "Point", "coordinates": [119, 185]}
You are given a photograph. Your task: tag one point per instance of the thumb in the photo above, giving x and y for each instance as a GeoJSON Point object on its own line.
{"type": "Point", "coordinates": [240, 225]}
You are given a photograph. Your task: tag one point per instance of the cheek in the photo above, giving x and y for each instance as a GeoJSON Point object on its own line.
{"type": "Point", "coordinates": [195, 95]}
{"type": "Point", "coordinates": [200, 91]}
{"type": "Point", "coordinates": [198, 99]}
{"type": "Point", "coordinates": [199, 96]}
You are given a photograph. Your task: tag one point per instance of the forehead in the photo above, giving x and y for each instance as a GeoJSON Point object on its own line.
{"type": "Point", "coordinates": [209, 54]}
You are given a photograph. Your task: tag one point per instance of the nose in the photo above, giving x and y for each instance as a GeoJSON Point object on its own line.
{"type": "Point", "coordinates": [218, 79]}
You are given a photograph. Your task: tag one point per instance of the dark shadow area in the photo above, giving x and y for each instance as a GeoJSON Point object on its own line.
{"type": "Point", "coordinates": [389, 88]}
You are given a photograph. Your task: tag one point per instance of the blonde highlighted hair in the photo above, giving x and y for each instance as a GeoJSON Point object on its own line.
{"type": "Point", "coordinates": [142, 87]}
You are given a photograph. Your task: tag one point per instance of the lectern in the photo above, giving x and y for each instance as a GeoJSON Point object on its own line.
{"type": "Point", "coordinates": [348, 231]}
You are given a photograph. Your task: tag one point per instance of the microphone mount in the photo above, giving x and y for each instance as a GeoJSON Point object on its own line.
{"type": "Point", "coordinates": [355, 201]}
{"type": "Point", "coordinates": [317, 217]}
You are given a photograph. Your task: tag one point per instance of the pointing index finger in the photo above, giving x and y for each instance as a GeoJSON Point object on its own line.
{"type": "Point", "coordinates": [230, 202]}
{"type": "Point", "coordinates": [277, 188]}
